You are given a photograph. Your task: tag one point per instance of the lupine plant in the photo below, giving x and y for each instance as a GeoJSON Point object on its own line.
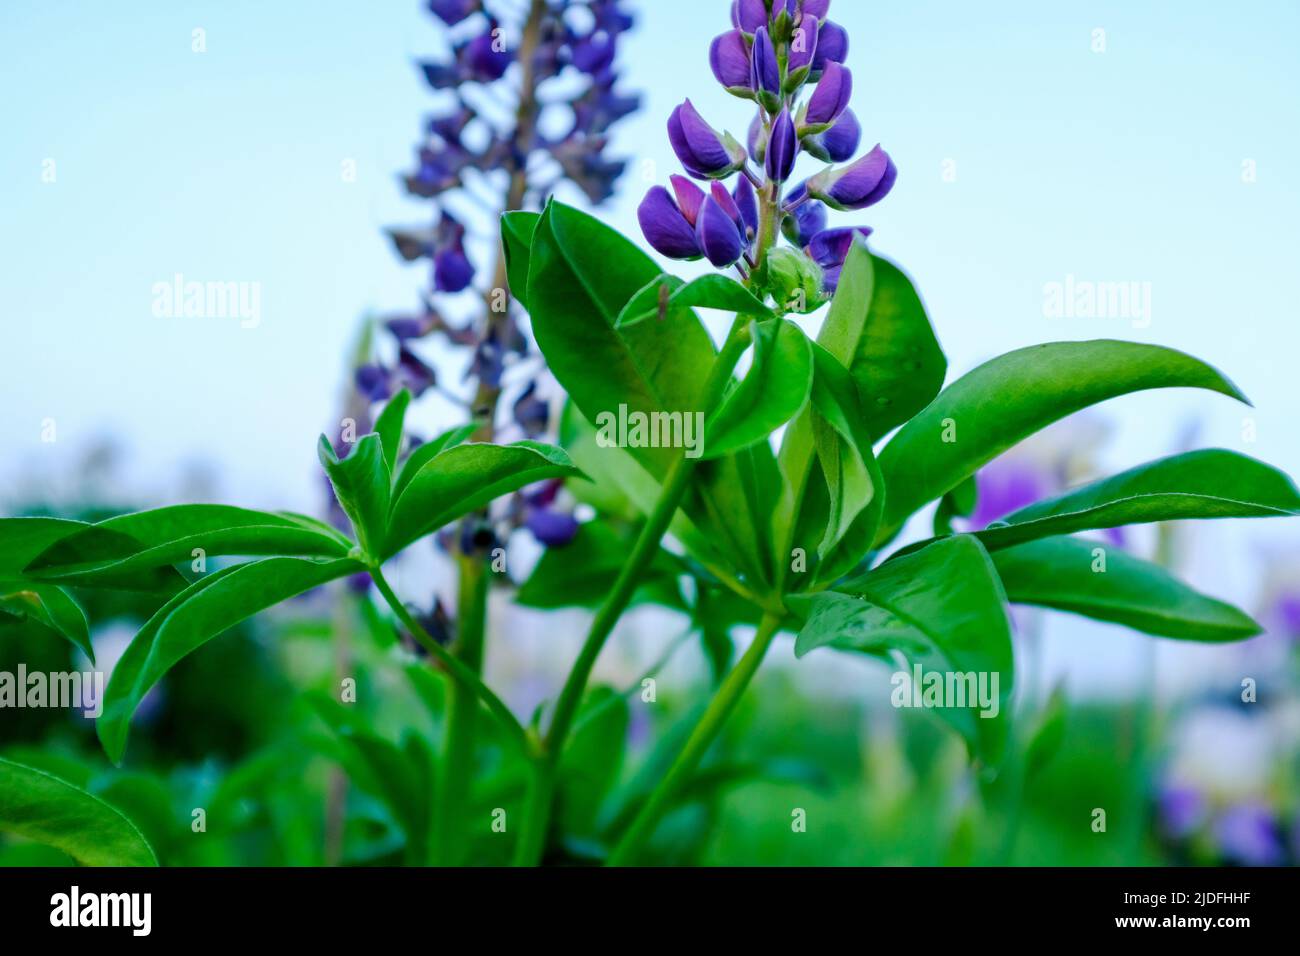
{"type": "Point", "coordinates": [788, 512]}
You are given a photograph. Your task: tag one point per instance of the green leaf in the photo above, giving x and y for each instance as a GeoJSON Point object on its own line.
{"type": "Point", "coordinates": [421, 456]}
{"type": "Point", "coordinates": [363, 485]}
{"type": "Point", "coordinates": [461, 479]}
{"type": "Point", "coordinates": [50, 606]}
{"type": "Point", "coordinates": [774, 391]}
{"type": "Point", "coordinates": [43, 808]}
{"type": "Point", "coordinates": [960, 502]}
{"type": "Point", "coordinates": [1007, 399]}
{"type": "Point", "coordinates": [1045, 742]}
{"type": "Point", "coordinates": [592, 759]}
{"type": "Point", "coordinates": [1210, 483]}
{"type": "Point", "coordinates": [389, 427]}
{"type": "Point", "coordinates": [665, 293]}
{"type": "Point", "coordinates": [1108, 584]}
{"type": "Point", "coordinates": [189, 620]}
{"type": "Point", "coordinates": [877, 328]}
{"type": "Point", "coordinates": [127, 546]}
{"type": "Point", "coordinates": [22, 539]}
{"type": "Point", "coordinates": [517, 239]}
{"type": "Point", "coordinates": [943, 609]}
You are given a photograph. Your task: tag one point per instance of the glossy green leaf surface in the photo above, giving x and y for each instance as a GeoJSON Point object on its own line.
{"type": "Point", "coordinates": [878, 329]}
{"type": "Point", "coordinates": [465, 477]}
{"type": "Point", "coordinates": [205, 609]}
{"type": "Point", "coordinates": [363, 486]}
{"type": "Point", "coordinates": [775, 389]}
{"type": "Point", "coordinates": [943, 609]}
{"type": "Point", "coordinates": [1108, 584]}
{"type": "Point", "coordinates": [49, 606]}
{"type": "Point", "coordinates": [1007, 399]}
{"type": "Point", "coordinates": [38, 806]}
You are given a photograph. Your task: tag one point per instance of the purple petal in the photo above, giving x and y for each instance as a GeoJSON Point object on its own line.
{"type": "Point", "coordinates": [452, 270]}
{"type": "Point", "coordinates": [747, 200]}
{"type": "Point", "coordinates": [554, 529]}
{"type": "Point", "coordinates": [831, 97]}
{"type": "Point", "coordinates": [696, 143]}
{"type": "Point", "coordinates": [664, 226]}
{"type": "Point", "coordinates": [729, 59]}
{"type": "Point", "coordinates": [782, 148]}
{"type": "Point", "coordinates": [841, 141]}
{"type": "Point", "coordinates": [765, 69]}
{"type": "Point", "coordinates": [832, 45]}
{"type": "Point", "coordinates": [689, 197]}
{"type": "Point", "coordinates": [717, 234]}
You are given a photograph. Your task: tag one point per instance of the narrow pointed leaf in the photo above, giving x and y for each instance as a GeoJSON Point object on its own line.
{"type": "Point", "coordinates": [466, 477]}
{"type": "Point", "coordinates": [1210, 483]}
{"type": "Point", "coordinates": [38, 806]}
{"type": "Point", "coordinates": [363, 485]}
{"type": "Point", "coordinates": [1007, 399]}
{"type": "Point", "coordinates": [135, 544]}
{"type": "Point", "coordinates": [1108, 584]}
{"type": "Point", "coordinates": [189, 620]}
{"type": "Point", "coordinates": [665, 293]}
{"type": "Point", "coordinates": [517, 239]}
{"type": "Point", "coordinates": [51, 607]}
{"type": "Point", "coordinates": [389, 427]}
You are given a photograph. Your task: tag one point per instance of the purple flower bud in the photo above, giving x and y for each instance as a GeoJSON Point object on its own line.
{"type": "Point", "coordinates": [830, 247]}
{"type": "Point", "coordinates": [689, 197]}
{"type": "Point", "coordinates": [747, 202]}
{"type": "Point", "coordinates": [452, 270]}
{"type": "Point", "coordinates": [757, 139]}
{"type": "Point", "coordinates": [728, 204]}
{"type": "Point", "coordinates": [664, 226]}
{"type": "Point", "coordinates": [594, 53]}
{"type": "Point", "coordinates": [782, 148]}
{"type": "Point", "coordinates": [373, 382]}
{"type": "Point", "coordinates": [805, 222]}
{"type": "Point", "coordinates": [729, 59]}
{"type": "Point", "coordinates": [831, 98]}
{"type": "Point", "coordinates": [841, 140]}
{"type": "Point", "coordinates": [765, 70]}
{"type": "Point", "coordinates": [705, 153]}
{"type": "Point", "coordinates": [748, 15]}
{"type": "Point", "coordinates": [717, 234]}
{"type": "Point", "coordinates": [858, 185]}
{"type": "Point", "coordinates": [485, 56]}
{"type": "Point", "coordinates": [832, 46]}
{"type": "Point", "coordinates": [451, 12]}
{"type": "Point", "coordinates": [803, 47]}
{"type": "Point", "coordinates": [554, 529]}
{"type": "Point", "coordinates": [816, 8]}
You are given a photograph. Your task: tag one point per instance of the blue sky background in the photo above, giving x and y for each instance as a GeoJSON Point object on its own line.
{"type": "Point", "coordinates": [1117, 166]}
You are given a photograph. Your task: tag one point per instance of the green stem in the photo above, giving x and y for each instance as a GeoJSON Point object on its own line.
{"type": "Point", "coordinates": [532, 841]}
{"type": "Point", "coordinates": [462, 709]}
{"type": "Point", "coordinates": [461, 674]}
{"type": "Point", "coordinates": [705, 732]}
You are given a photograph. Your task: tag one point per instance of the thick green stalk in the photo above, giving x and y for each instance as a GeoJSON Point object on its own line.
{"type": "Point", "coordinates": [462, 710]}
{"type": "Point", "coordinates": [461, 674]}
{"type": "Point", "coordinates": [705, 732]}
{"type": "Point", "coordinates": [532, 840]}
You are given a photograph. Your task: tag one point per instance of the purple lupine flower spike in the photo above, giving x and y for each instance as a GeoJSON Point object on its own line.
{"type": "Point", "coordinates": [665, 227]}
{"type": "Point", "coordinates": [729, 60]}
{"type": "Point", "coordinates": [765, 75]}
{"type": "Point", "coordinates": [717, 234]}
{"type": "Point", "coordinates": [703, 151]}
{"type": "Point", "coordinates": [782, 148]}
{"type": "Point", "coordinates": [831, 97]}
{"type": "Point", "coordinates": [858, 185]}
